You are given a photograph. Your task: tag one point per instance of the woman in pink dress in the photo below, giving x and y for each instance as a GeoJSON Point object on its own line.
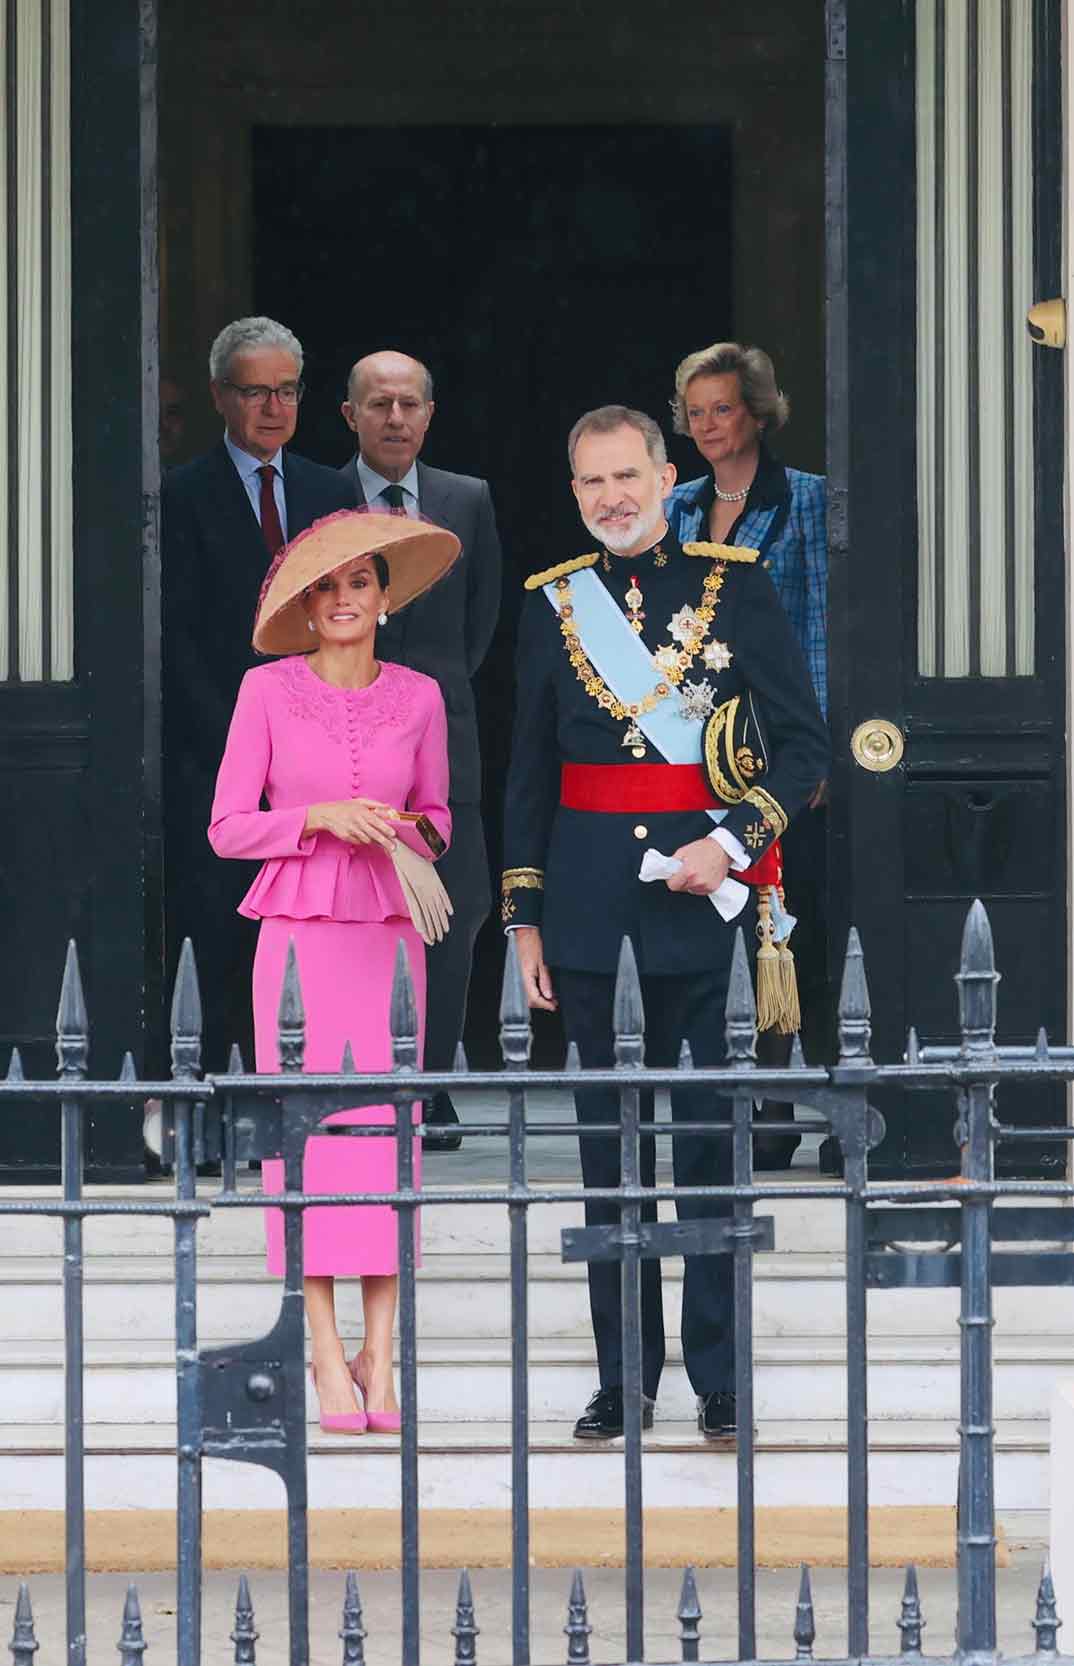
{"type": "Point", "coordinates": [338, 744]}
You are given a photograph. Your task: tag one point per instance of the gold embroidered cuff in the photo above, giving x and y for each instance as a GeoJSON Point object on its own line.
{"type": "Point", "coordinates": [770, 808]}
{"type": "Point", "coordinates": [518, 879]}
{"type": "Point", "coordinates": [522, 879]}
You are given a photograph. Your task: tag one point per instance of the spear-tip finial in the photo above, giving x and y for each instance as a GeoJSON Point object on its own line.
{"type": "Point", "coordinates": [805, 1629]}
{"type": "Point", "coordinates": [577, 1628]}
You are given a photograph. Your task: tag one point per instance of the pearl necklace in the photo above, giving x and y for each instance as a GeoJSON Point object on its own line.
{"type": "Point", "coordinates": [730, 497]}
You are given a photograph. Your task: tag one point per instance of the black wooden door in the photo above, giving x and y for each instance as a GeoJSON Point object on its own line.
{"type": "Point", "coordinates": [946, 469]}
{"type": "Point", "coordinates": [79, 729]}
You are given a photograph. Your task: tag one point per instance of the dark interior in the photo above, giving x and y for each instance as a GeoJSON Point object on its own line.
{"type": "Point", "coordinates": [538, 271]}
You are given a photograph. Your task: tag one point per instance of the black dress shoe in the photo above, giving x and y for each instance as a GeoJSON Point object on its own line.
{"type": "Point", "coordinates": [774, 1151]}
{"type": "Point", "coordinates": [441, 1120]}
{"type": "Point", "coordinates": [830, 1157]}
{"type": "Point", "coordinates": [716, 1416]}
{"type": "Point", "coordinates": [603, 1416]}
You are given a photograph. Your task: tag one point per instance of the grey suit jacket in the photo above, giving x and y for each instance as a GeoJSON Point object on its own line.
{"type": "Point", "coordinates": [446, 633]}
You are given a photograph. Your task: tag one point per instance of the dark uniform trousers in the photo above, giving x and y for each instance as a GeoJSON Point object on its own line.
{"type": "Point", "coordinates": [464, 870]}
{"type": "Point", "coordinates": [687, 1007]}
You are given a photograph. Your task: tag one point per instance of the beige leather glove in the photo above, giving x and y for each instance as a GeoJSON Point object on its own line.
{"type": "Point", "coordinates": [428, 902]}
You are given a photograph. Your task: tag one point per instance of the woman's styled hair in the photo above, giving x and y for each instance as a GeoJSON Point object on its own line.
{"type": "Point", "coordinates": [756, 377]}
{"type": "Point", "coordinates": [245, 334]}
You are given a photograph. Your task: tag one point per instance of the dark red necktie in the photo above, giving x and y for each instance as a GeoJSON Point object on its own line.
{"type": "Point", "coordinates": [271, 530]}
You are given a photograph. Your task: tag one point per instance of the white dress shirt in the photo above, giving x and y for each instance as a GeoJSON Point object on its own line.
{"type": "Point", "coordinates": [374, 486]}
{"type": "Point", "coordinates": [248, 467]}
{"type": "Point", "coordinates": [739, 859]}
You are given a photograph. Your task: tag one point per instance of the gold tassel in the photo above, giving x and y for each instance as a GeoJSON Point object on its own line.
{"type": "Point", "coordinates": [790, 1018]}
{"type": "Point", "coordinates": [769, 982]}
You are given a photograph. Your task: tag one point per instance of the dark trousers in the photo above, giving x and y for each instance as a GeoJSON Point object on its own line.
{"type": "Point", "coordinates": [464, 870]}
{"type": "Point", "coordinates": [676, 1008]}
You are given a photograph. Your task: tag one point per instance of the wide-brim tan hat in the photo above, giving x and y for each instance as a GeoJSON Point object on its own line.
{"type": "Point", "coordinates": [417, 552]}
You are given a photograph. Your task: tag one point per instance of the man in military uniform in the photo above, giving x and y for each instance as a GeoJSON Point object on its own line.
{"type": "Point", "coordinates": [623, 655]}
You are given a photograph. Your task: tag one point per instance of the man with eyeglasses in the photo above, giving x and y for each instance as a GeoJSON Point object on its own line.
{"type": "Point", "coordinates": [223, 517]}
{"type": "Point", "coordinates": [445, 633]}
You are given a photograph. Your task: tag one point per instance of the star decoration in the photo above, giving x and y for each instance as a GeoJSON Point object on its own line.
{"type": "Point", "coordinates": [666, 659]}
{"type": "Point", "coordinates": [754, 836]}
{"type": "Point", "coordinates": [684, 624]}
{"type": "Point", "coordinates": [718, 656]}
{"type": "Point", "coordinates": [697, 700]}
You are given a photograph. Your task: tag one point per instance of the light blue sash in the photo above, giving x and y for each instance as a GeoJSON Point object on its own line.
{"type": "Point", "coordinates": [620, 657]}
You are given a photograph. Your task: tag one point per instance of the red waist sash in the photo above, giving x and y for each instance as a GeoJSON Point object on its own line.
{"type": "Point", "coordinates": [648, 789]}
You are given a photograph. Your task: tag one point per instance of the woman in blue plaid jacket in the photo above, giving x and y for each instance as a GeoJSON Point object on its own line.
{"type": "Point", "coordinates": [727, 400]}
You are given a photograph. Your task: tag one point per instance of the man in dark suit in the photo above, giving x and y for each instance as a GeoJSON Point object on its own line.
{"type": "Point", "coordinates": [223, 517]}
{"type": "Point", "coordinates": [446, 634]}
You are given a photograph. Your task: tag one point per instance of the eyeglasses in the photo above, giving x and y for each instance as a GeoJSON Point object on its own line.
{"type": "Point", "coordinates": [257, 393]}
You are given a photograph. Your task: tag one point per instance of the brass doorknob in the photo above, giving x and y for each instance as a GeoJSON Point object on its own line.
{"type": "Point", "coordinates": [877, 744]}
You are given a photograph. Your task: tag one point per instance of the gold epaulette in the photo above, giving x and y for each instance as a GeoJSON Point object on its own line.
{"type": "Point", "coordinates": [721, 552]}
{"type": "Point", "coordinates": [537, 581]}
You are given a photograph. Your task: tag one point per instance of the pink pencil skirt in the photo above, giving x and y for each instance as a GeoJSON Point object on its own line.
{"type": "Point", "coordinates": [346, 971]}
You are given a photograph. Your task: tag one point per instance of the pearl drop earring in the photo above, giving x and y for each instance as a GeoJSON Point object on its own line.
{"type": "Point", "coordinates": [382, 618]}
{"type": "Point", "coordinates": [310, 626]}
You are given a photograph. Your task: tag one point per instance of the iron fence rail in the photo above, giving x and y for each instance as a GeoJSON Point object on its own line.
{"type": "Point", "coordinates": [245, 1401]}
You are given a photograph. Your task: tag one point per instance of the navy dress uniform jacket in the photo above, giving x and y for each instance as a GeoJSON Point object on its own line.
{"type": "Point", "coordinates": [574, 873]}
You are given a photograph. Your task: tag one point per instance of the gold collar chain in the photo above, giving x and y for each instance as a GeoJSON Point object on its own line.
{"type": "Point", "coordinates": [673, 662]}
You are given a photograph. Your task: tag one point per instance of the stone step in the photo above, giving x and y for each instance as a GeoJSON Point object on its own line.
{"type": "Point", "coordinates": [473, 1228]}
{"type": "Point", "coordinates": [803, 1224]}
{"type": "Point", "coordinates": [909, 1379]}
{"type": "Point", "coordinates": [468, 1295]}
{"type": "Point", "coordinates": [467, 1466]}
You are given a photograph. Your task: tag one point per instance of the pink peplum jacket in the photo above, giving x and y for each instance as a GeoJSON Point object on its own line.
{"type": "Point", "coordinates": [296, 741]}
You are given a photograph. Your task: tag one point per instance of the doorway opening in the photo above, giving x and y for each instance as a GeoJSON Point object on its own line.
{"type": "Point", "coordinates": [549, 209]}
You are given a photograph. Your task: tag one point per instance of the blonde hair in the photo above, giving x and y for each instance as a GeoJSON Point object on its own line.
{"type": "Point", "coordinates": [756, 377]}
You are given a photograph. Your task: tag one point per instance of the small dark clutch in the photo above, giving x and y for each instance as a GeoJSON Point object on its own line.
{"type": "Point", "coordinates": [734, 753]}
{"type": "Point", "coordinates": [425, 828]}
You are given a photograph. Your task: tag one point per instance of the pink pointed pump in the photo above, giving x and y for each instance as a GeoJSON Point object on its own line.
{"type": "Point", "coordinates": [377, 1422]}
{"type": "Point", "coordinates": [341, 1423]}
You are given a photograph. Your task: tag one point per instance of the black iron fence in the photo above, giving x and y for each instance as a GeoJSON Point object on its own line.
{"type": "Point", "coordinates": [246, 1401]}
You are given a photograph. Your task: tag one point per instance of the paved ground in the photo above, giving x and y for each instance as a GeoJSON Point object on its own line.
{"type": "Point", "coordinates": [777, 1592]}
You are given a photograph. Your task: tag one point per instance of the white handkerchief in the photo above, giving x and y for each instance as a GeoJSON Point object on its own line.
{"type": "Point", "coordinates": [729, 899]}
